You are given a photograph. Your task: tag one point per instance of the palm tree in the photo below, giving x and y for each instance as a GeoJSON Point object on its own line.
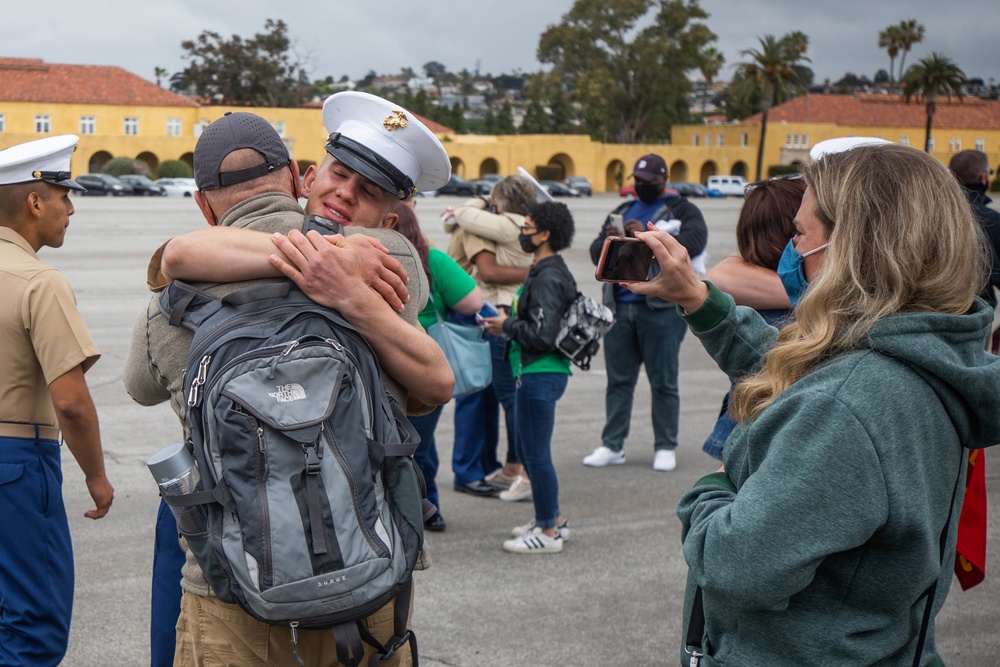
{"type": "Point", "coordinates": [159, 72]}
{"type": "Point", "coordinates": [770, 72]}
{"type": "Point", "coordinates": [930, 77]}
{"type": "Point", "coordinates": [711, 62]}
{"type": "Point", "coordinates": [888, 39]}
{"type": "Point", "coordinates": [910, 33]}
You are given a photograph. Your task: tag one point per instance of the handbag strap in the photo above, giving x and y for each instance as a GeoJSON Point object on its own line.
{"type": "Point", "coordinates": [437, 313]}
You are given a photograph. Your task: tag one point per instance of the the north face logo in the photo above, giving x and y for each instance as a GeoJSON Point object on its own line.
{"type": "Point", "coordinates": [288, 392]}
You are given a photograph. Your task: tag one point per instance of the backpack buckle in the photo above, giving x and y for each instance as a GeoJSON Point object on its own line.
{"type": "Point", "coordinates": [396, 645]}
{"type": "Point", "coordinates": [313, 459]}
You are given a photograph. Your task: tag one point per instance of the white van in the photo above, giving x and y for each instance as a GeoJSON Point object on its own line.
{"type": "Point", "coordinates": [727, 185]}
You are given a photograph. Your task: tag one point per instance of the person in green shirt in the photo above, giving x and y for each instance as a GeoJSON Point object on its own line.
{"type": "Point", "coordinates": [541, 371]}
{"type": "Point", "coordinates": [451, 289]}
{"type": "Point", "coordinates": [828, 537]}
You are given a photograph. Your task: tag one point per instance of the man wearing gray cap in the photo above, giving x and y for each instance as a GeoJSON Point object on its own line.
{"type": "Point", "coordinates": [46, 349]}
{"type": "Point", "coordinates": [247, 181]}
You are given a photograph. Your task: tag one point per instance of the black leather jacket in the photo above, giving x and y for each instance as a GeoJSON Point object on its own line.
{"type": "Point", "coordinates": [548, 291]}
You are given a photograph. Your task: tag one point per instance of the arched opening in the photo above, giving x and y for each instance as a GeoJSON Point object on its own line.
{"type": "Point", "coordinates": [739, 169]}
{"type": "Point", "coordinates": [614, 176]}
{"type": "Point", "coordinates": [708, 169]}
{"type": "Point", "coordinates": [189, 159]}
{"type": "Point", "coordinates": [678, 171]}
{"type": "Point", "coordinates": [150, 159]}
{"type": "Point", "coordinates": [457, 167]}
{"type": "Point", "coordinates": [97, 161]}
{"type": "Point", "coordinates": [559, 167]}
{"type": "Point", "coordinates": [488, 166]}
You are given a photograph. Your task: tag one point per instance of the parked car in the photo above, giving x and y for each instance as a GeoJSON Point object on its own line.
{"type": "Point", "coordinates": [727, 185]}
{"type": "Point", "coordinates": [492, 178]}
{"type": "Point", "coordinates": [580, 184]}
{"type": "Point", "coordinates": [143, 186]}
{"type": "Point", "coordinates": [457, 185]}
{"type": "Point", "coordinates": [628, 190]}
{"type": "Point", "coordinates": [483, 186]}
{"type": "Point", "coordinates": [177, 187]}
{"type": "Point", "coordinates": [557, 189]}
{"type": "Point", "coordinates": [101, 185]}
{"type": "Point", "coordinates": [694, 189]}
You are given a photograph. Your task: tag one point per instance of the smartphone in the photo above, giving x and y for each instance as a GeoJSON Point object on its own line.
{"type": "Point", "coordinates": [618, 223]}
{"type": "Point", "coordinates": [624, 260]}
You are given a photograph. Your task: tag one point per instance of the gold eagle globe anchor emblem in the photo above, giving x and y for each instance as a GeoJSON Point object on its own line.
{"type": "Point", "coordinates": [396, 121]}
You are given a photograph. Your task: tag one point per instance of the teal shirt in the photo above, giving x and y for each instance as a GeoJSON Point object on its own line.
{"type": "Point", "coordinates": [818, 542]}
{"type": "Point", "coordinates": [449, 285]}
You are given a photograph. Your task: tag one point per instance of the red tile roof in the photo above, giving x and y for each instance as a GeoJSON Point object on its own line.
{"type": "Point", "coordinates": [885, 111]}
{"type": "Point", "coordinates": [33, 80]}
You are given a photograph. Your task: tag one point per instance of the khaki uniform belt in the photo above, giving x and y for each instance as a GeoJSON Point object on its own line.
{"type": "Point", "coordinates": [9, 430]}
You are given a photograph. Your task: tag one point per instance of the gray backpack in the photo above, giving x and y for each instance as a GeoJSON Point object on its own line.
{"type": "Point", "coordinates": [313, 507]}
{"type": "Point", "coordinates": [581, 329]}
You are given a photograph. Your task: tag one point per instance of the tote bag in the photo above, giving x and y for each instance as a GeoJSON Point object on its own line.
{"type": "Point", "coordinates": [467, 353]}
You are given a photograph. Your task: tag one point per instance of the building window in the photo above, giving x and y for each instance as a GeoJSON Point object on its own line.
{"type": "Point", "coordinates": [43, 124]}
{"type": "Point", "coordinates": [696, 138]}
{"type": "Point", "coordinates": [788, 140]}
{"type": "Point", "coordinates": [708, 140]}
{"type": "Point", "coordinates": [805, 141]}
{"type": "Point", "coordinates": [930, 144]}
{"type": "Point", "coordinates": [132, 125]}
{"type": "Point", "coordinates": [958, 143]}
{"type": "Point", "coordinates": [904, 141]}
{"type": "Point", "coordinates": [200, 127]}
{"type": "Point", "coordinates": [980, 142]}
{"type": "Point", "coordinates": [3, 122]}
{"type": "Point", "coordinates": [743, 139]}
{"type": "Point", "coordinates": [174, 127]}
{"type": "Point", "coordinates": [721, 135]}
{"type": "Point", "coordinates": [798, 140]}
{"type": "Point", "coordinates": [88, 125]}
{"type": "Point", "coordinates": [279, 127]}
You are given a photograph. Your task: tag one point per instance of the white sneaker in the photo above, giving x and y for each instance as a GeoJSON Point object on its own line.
{"type": "Point", "coordinates": [603, 456]}
{"type": "Point", "coordinates": [534, 543]}
{"type": "Point", "coordinates": [665, 460]}
{"type": "Point", "coordinates": [520, 489]}
{"type": "Point", "coordinates": [563, 529]}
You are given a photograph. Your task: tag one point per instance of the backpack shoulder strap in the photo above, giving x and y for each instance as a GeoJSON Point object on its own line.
{"type": "Point", "coordinates": [324, 226]}
{"type": "Point", "coordinates": [186, 306]}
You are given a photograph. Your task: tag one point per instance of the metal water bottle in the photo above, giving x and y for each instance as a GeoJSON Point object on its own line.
{"type": "Point", "coordinates": [176, 474]}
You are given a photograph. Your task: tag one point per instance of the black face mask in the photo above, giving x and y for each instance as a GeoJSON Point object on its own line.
{"type": "Point", "coordinates": [977, 187]}
{"type": "Point", "coordinates": [648, 192]}
{"type": "Point", "coordinates": [526, 243]}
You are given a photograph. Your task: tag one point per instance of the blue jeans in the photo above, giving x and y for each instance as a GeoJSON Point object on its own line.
{"type": "Point", "coordinates": [36, 554]}
{"type": "Point", "coordinates": [477, 422]}
{"type": "Point", "coordinates": [642, 336]}
{"type": "Point", "coordinates": [535, 412]}
{"type": "Point", "coordinates": [724, 426]}
{"type": "Point", "coordinates": [426, 455]}
{"type": "Point", "coordinates": [165, 601]}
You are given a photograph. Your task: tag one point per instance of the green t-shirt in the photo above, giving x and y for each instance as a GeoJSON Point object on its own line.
{"type": "Point", "coordinates": [449, 285]}
{"type": "Point", "coordinates": [552, 362]}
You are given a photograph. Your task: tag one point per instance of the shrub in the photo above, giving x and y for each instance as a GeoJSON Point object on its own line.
{"type": "Point", "coordinates": [781, 170]}
{"type": "Point", "coordinates": [174, 169]}
{"type": "Point", "coordinates": [548, 173]}
{"type": "Point", "coordinates": [995, 185]}
{"type": "Point", "coordinates": [121, 166]}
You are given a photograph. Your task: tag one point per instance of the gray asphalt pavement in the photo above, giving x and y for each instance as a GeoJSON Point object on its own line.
{"type": "Point", "coordinates": [613, 597]}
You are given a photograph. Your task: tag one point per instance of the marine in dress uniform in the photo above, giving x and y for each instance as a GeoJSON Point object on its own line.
{"type": "Point", "coordinates": [45, 349]}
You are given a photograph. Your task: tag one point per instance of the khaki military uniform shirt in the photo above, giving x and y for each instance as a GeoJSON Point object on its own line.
{"type": "Point", "coordinates": [42, 334]}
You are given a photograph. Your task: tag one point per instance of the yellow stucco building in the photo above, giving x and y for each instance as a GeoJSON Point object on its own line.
{"type": "Point", "coordinates": [117, 113]}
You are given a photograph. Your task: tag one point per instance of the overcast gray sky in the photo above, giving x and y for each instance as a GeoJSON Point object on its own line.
{"type": "Point", "coordinates": [337, 37]}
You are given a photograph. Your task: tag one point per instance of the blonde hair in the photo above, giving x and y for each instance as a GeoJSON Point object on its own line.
{"type": "Point", "coordinates": [903, 238]}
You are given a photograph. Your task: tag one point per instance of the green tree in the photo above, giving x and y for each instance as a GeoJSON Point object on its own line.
{"type": "Point", "coordinates": [888, 39]}
{"type": "Point", "coordinates": [258, 71]}
{"type": "Point", "coordinates": [159, 73]}
{"type": "Point", "coordinates": [489, 123]}
{"type": "Point", "coordinates": [931, 77]}
{"type": "Point", "coordinates": [712, 61]}
{"type": "Point", "coordinates": [770, 73]}
{"type": "Point", "coordinates": [505, 120]}
{"type": "Point", "coordinates": [625, 63]}
{"type": "Point", "coordinates": [910, 33]}
{"type": "Point", "coordinates": [457, 119]}
{"type": "Point", "coordinates": [536, 121]}
{"type": "Point", "coordinates": [121, 166]}
{"type": "Point", "coordinates": [176, 169]}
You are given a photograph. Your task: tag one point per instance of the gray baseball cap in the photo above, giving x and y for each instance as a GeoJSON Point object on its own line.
{"type": "Point", "coordinates": [232, 132]}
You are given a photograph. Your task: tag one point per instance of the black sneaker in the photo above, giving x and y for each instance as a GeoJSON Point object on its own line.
{"type": "Point", "coordinates": [436, 523]}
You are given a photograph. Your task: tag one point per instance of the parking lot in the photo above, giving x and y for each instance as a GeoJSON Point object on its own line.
{"type": "Point", "coordinates": [612, 597]}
